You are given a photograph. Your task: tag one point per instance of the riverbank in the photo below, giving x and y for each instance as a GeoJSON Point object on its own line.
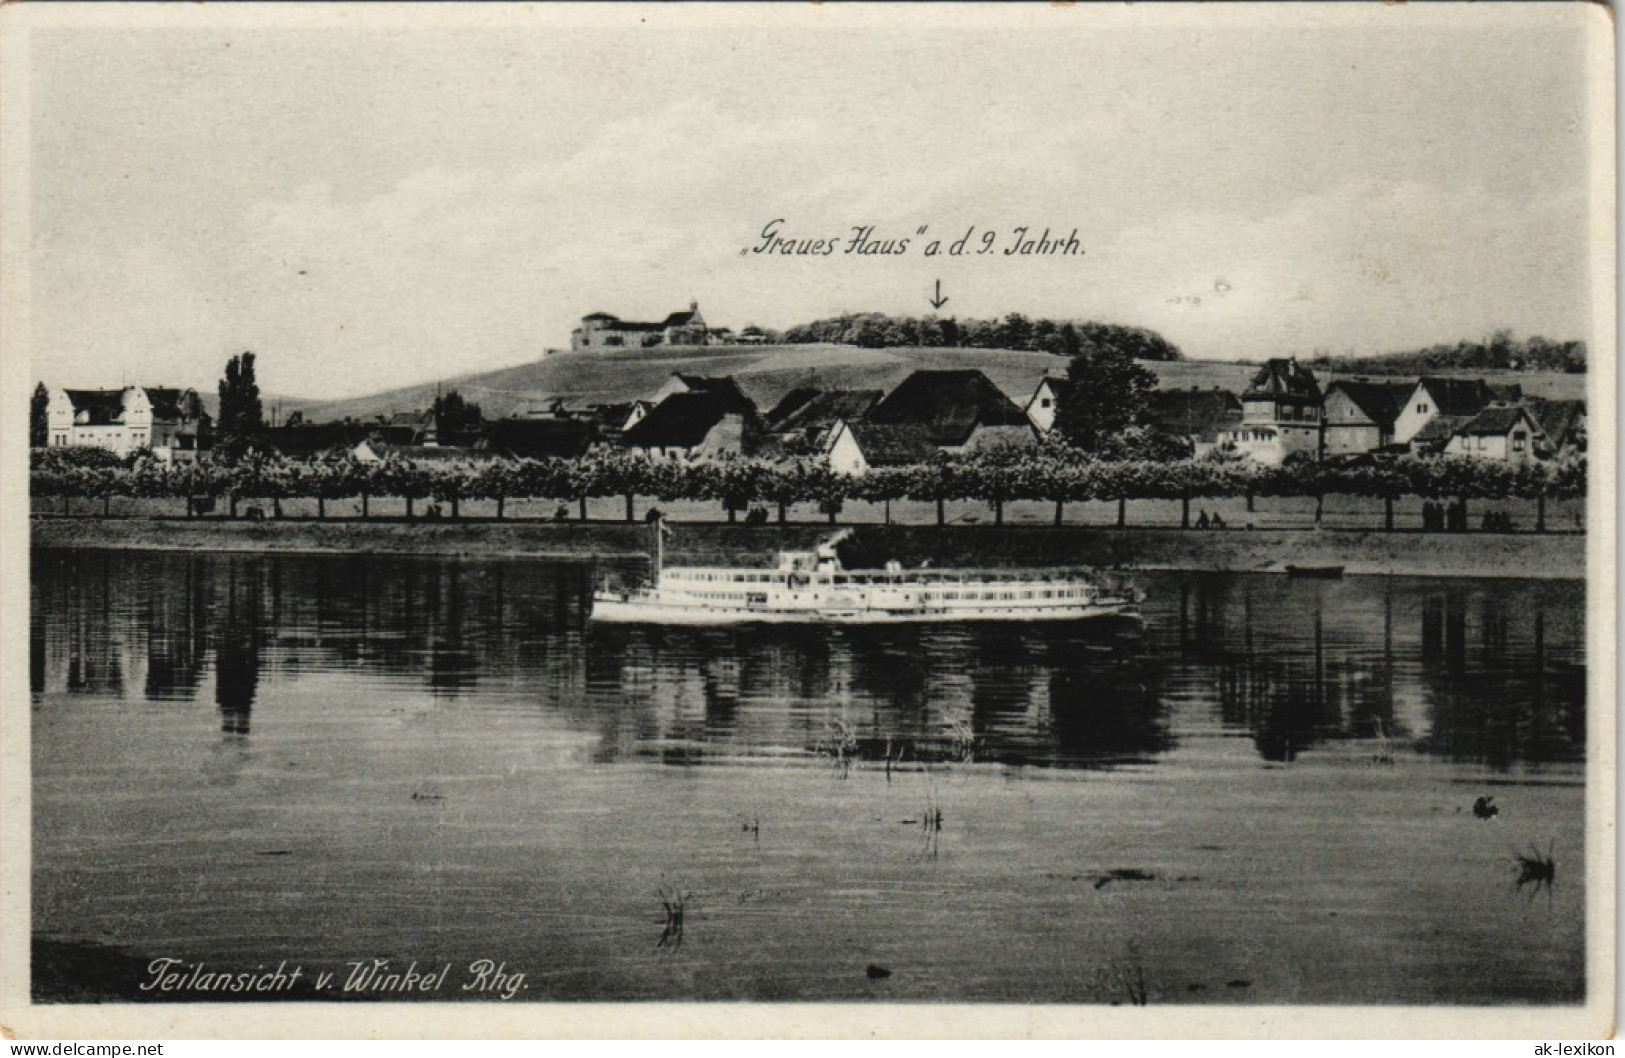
{"type": "Point", "coordinates": [1544, 555]}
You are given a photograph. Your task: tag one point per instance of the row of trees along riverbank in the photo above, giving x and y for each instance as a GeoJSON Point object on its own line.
{"type": "Point", "coordinates": [1051, 473]}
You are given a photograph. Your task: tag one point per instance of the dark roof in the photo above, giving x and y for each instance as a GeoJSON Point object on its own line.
{"type": "Point", "coordinates": [680, 421]}
{"type": "Point", "coordinates": [722, 387]}
{"type": "Point", "coordinates": [170, 403]}
{"type": "Point", "coordinates": [299, 442]}
{"type": "Point", "coordinates": [1468, 396]}
{"type": "Point", "coordinates": [1200, 414]}
{"type": "Point", "coordinates": [676, 319]}
{"type": "Point", "coordinates": [789, 403]}
{"type": "Point", "coordinates": [539, 438]}
{"type": "Point", "coordinates": [1558, 418]}
{"type": "Point", "coordinates": [1494, 421]}
{"type": "Point", "coordinates": [893, 445]}
{"type": "Point", "coordinates": [1381, 401]}
{"type": "Point", "coordinates": [104, 405]}
{"type": "Point", "coordinates": [1438, 430]}
{"type": "Point", "coordinates": [825, 408]}
{"type": "Point", "coordinates": [1284, 378]}
{"type": "Point", "coordinates": [1058, 384]}
{"type": "Point", "coordinates": [949, 404]}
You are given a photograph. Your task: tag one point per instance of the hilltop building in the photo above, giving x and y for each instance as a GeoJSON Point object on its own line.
{"type": "Point", "coordinates": [171, 422]}
{"type": "Point", "coordinates": [602, 330]}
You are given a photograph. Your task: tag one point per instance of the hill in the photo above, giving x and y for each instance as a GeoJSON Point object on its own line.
{"type": "Point", "coordinates": [767, 372]}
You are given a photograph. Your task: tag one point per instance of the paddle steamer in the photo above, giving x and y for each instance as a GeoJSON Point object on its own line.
{"type": "Point", "coordinates": [812, 587]}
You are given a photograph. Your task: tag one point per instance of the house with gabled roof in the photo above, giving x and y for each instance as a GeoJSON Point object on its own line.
{"type": "Point", "coordinates": [959, 410]}
{"type": "Point", "coordinates": [856, 446]}
{"type": "Point", "coordinates": [1459, 397]}
{"type": "Point", "coordinates": [788, 403]}
{"type": "Point", "coordinates": [1432, 438]}
{"type": "Point", "coordinates": [1045, 403]}
{"type": "Point", "coordinates": [1280, 414]}
{"type": "Point", "coordinates": [172, 423]}
{"type": "Point", "coordinates": [722, 387]}
{"type": "Point", "coordinates": [809, 423]}
{"type": "Point", "coordinates": [603, 330]}
{"type": "Point", "coordinates": [540, 438]}
{"type": "Point", "coordinates": [1563, 422]}
{"type": "Point", "coordinates": [1505, 432]}
{"type": "Point", "coordinates": [1358, 415]}
{"type": "Point", "coordinates": [317, 439]}
{"type": "Point", "coordinates": [694, 425]}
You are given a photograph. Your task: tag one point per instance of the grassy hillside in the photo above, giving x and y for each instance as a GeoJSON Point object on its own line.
{"type": "Point", "coordinates": [767, 372]}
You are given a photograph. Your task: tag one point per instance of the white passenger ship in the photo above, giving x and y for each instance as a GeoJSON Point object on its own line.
{"type": "Point", "coordinates": [811, 587]}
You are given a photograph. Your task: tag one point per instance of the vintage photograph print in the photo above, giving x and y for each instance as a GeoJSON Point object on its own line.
{"type": "Point", "coordinates": [991, 517]}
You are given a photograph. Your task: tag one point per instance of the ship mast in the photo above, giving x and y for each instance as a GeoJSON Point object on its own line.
{"type": "Point", "coordinates": [657, 554]}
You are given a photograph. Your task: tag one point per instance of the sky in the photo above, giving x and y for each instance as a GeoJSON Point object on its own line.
{"type": "Point", "coordinates": [367, 201]}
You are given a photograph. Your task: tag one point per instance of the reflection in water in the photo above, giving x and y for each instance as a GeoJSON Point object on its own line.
{"type": "Point", "coordinates": [237, 648]}
{"type": "Point", "coordinates": [1486, 671]}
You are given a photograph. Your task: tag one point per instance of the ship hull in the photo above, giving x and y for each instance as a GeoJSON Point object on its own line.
{"type": "Point", "coordinates": [616, 610]}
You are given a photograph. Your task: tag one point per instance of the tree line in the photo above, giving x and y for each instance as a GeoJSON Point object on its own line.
{"type": "Point", "coordinates": [1501, 351]}
{"type": "Point", "coordinates": [876, 330]}
{"type": "Point", "coordinates": [1054, 472]}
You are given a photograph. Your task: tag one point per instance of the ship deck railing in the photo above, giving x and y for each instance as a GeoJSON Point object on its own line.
{"type": "Point", "coordinates": [911, 576]}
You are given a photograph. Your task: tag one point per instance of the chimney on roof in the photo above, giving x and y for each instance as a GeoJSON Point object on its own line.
{"type": "Point", "coordinates": [693, 305]}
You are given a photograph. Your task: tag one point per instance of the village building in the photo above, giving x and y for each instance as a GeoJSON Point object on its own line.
{"type": "Point", "coordinates": [602, 330]}
{"type": "Point", "coordinates": [1504, 432]}
{"type": "Point", "coordinates": [1280, 415]}
{"type": "Point", "coordinates": [855, 447]}
{"type": "Point", "coordinates": [1358, 415]}
{"type": "Point", "coordinates": [302, 440]}
{"type": "Point", "coordinates": [1045, 403]}
{"type": "Point", "coordinates": [1563, 423]}
{"type": "Point", "coordinates": [172, 423]}
{"type": "Point", "coordinates": [699, 425]}
{"type": "Point", "coordinates": [959, 410]}
{"type": "Point", "coordinates": [1459, 398]}
{"type": "Point", "coordinates": [723, 387]}
{"type": "Point", "coordinates": [809, 421]}
{"type": "Point", "coordinates": [1198, 417]}
{"type": "Point", "coordinates": [540, 438]}
{"type": "Point", "coordinates": [788, 403]}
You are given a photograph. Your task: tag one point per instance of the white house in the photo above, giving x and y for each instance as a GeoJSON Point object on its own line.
{"type": "Point", "coordinates": [1502, 432]}
{"type": "Point", "coordinates": [170, 422]}
{"type": "Point", "coordinates": [1432, 397]}
{"type": "Point", "coordinates": [855, 447]}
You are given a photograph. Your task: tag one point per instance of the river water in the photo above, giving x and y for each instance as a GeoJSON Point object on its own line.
{"type": "Point", "coordinates": [1264, 794]}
